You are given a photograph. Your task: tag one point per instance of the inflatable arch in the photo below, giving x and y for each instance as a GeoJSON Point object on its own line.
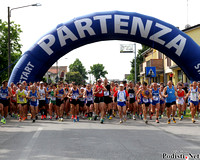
{"type": "Point", "coordinates": [114, 25]}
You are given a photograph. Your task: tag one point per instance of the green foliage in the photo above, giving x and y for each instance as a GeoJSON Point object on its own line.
{"type": "Point", "coordinates": [15, 46]}
{"type": "Point", "coordinates": [77, 66]}
{"type": "Point", "coordinates": [98, 71]}
{"type": "Point", "coordinates": [139, 60]}
{"type": "Point", "coordinates": [74, 77]}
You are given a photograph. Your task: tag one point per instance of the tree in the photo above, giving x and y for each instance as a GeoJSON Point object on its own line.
{"type": "Point", "coordinates": [98, 71]}
{"type": "Point", "coordinates": [139, 60]}
{"type": "Point", "coordinates": [77, 66]}
{"type": "Point", "coordinates": [74, 77]}
{"type": "Point", "coordinates": [15, 47]}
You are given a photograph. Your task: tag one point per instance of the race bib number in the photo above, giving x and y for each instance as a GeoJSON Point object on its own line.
{"type": "Point", "coordinates": [34, 99]}
{"type": "Point", "coordinates": [3, 95]}
{"type": "Point", "coordinates": [59, 96]}
{"type": "Point", "coordinates": [131, 95]}
{"type": "Point", "coordinates": [155, 98]}
{"type": "Point", "coordinates": [145, 100]}
{"type": "Point", "coordinates": [106, 93]}
{"type": "Point", "coordinates": [100, 92]}
{"type": "Point", "coordinates": [21, 99]}
{"type": "Point", "coordinates": [89, 99]}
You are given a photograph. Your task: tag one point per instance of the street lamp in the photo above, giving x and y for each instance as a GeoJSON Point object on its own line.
{"type": "Point", "coordinates": [9, 45]}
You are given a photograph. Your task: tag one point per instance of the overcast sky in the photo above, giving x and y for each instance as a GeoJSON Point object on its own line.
{"type": "Point", "coordinates": [37, 21]}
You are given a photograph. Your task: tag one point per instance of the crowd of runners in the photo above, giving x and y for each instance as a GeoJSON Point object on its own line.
{"type": "Point", "coordinates": [99, 101]}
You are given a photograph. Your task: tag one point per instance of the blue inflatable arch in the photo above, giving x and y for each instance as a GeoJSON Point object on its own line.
{"type": "Point", "coordinates": [114, 25]}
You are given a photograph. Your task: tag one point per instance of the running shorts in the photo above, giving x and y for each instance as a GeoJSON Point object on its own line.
{"type": "Point", "coordinates": [59, 102]}
{"type": "Point", "coordinates": [107, 100]}
{"type": "Point", "coordinates": [169, 104]}
{"type": "Point", "coordinates": [98, 99]}
{"type": "Point", "coordinates": [121, 104]}
{"type": "Point", "coordinates": [5, 102]}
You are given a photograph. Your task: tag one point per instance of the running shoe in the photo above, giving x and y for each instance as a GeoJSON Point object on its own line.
{"type": "Point", "coordinates": [33, 120]}
{"type": "Point", "coordinates": [74, 120]}
{"type": "Point", "coordinates": [50, 118]}
{"type": "Point", "coordinates": [95, 117]}
{"type": "Point", "coordinates": [36, 117]}
{"type": "Point", "coordinates": [3, 120]}
{"type": "Point", "coordinates": [114, 114]}
{"type": "Point", "coordinates": [20, 119]}
{"type": "Point", "coordinates": [120, 121]}
{"type": "Point", "coordinates": [157, 121]}
{"type": "Point", "coordinates": [45, 117]}
{"type": "Point", "coordinates": [61, 119]}
{"type": "Point", "coordinates": [42, 117]}
{"type": "Point", "coordinates": [77, 118]}
{"type": "Point", "coordinates": [146, 121]}
{"type": "Point", "coordinates": [72, 117]}
{"type": "Point", "coordinates": [160, 117]}
{"type": "Point", "coordinates": [141, 116]}
{"type": "Point", "coordinates": [181, 117]}
{"type": "Point", "coordinates": [168, 121]}
{"type": "Point", "coordinates": [56, 117]}
{"type": "Point", "coordinates": [174, 120]}
{"type": "Point", "coordinates": [193, 121]}
{"type": "Point", "coordinates": [110, 117]}
{"type": "Point", "coordinates": [101, 121]}
{"type": "Point", "coordinates": [24, 118]}
{"type": "Point", "coordinates": [184, 113]}
{"type": "Point", "coordinates": [134, 117]}
{"type": "Point", "coordinates": [125, 119]}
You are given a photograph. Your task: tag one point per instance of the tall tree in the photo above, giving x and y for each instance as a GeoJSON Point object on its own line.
{"type": "Point", "coordinates": [77, 66]}
{"type": "Point", "coordinates": [15, 47]}
{"type": "Point", "coordinates": [74, 77]}
{"type": "Point", "coordinates": [139, 60]}
{"type": "Point", "coordinates": [98, 71]}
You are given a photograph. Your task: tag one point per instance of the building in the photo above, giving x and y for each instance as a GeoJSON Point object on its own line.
{"type": "Point", "coordinates": [166, 69]}
{"type": "Point", "coordinates": [56, 73]}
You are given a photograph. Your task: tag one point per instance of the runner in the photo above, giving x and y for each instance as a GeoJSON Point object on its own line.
{"type": "Point", "coordinates": [52, 104]}
{"type": "Point", "coordinates": [89, 100]}
{"type": "Point", "coordinates": [180, 100]}
{"type": "Point", "coordinates": [122, 95]}
{"type": "Point", "coordinates": [156, 94]}
{"type": "Point", "coordinates": [108, 99]}
{"type": "Point", "coordinates": [194, 99]}
{"type": "Point", "coordinates": [60, 95]}
{"type": "Point", "coordinates": [74, 96]}
{"type": "Point", "coordinates": [114, 89]}
{"type": "Point", "coordinates": [5, 94]}
{"type": "Point", "coordinates": [13, 101]}
{"type": "Point", "coordinates": [33, 95]}
{"type": "Point", "coordinates": [145, 95]}
{"type": "Point", "coordinates": [22, 102]}
{"type": "Point", "coordinates": [82, 103]}
{"type": "Point", "coordinates": [42, 91]}
{"type": "Point", "coordinates": [66, 101]}
{"type": "Point", "coordinates": [170, 95]}
{"type": "Point", "coordinates": [98, 92]}
{"type": "Point", "coordinates": [132, 108]}
{"type": "Point", "coordinates": [162, 101]}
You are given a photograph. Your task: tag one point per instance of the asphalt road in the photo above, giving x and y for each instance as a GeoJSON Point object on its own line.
{"type": "Point", "coordinates": [133, 140]}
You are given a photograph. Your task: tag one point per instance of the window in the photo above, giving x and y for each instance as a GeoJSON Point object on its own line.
{"type": "Point", "coordinates": [180, 76]}
{"type": "Point", "coordinates": [160, 55]}
{"type": "Point", "coordinates": [168, 62]}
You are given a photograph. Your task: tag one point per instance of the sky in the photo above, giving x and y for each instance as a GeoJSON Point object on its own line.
{"type": "Point", "coordinates": [37, 21]}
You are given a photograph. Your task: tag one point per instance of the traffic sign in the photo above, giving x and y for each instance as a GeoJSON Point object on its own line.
{"type": "Point", "coordinates": [150, 71]}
